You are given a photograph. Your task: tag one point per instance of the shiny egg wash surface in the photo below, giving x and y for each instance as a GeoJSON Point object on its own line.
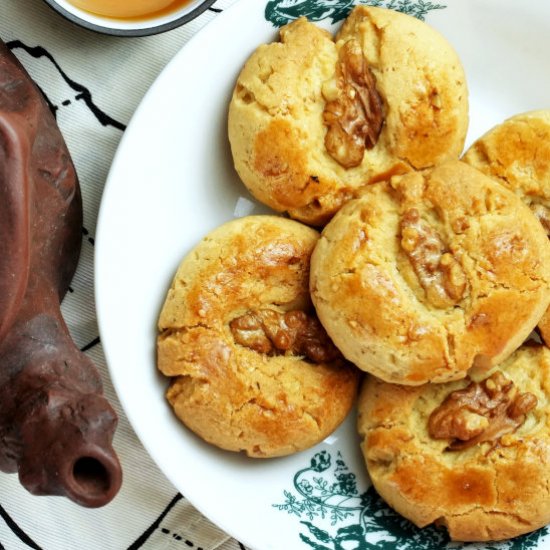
{"type": "Point", "coordinates": [129, 9]}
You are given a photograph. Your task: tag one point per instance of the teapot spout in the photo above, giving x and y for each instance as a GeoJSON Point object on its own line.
{"type": "Point", "coordinates": [92, 478]}
{"type": "Point", "coordinates": [67, 450]}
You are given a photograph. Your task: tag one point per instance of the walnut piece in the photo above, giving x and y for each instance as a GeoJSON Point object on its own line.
{"type": "Point", "coordinates": [268, 331]}
{"type": "Point", "coordinates": [439, 273]}
{"type": "Point", "coordinates": [542, 214]}
{"type": "Point", "coordinates": [353, 113]}
{"type": "Point", "coordinates": [481, 412]}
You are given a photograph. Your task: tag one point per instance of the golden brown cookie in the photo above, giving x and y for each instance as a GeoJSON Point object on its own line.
{"type": "Point", "coordinates": [431, 274]}
{"type": "Point", "coordinates": [312, 120]}
{"type": "Point", "coordinates": [544, 327]}
{"type": "Point", "coordinates": [252, 368]}
{"type": "Point", "coordinates": [517, 154]}
{"type": "Point", "coordinates": [472, 456]}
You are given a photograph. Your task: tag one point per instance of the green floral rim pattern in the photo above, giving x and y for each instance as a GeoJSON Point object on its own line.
{"type": "Point", "coordinates": [326, 493]}
{"type": "Point", "coordinates": [281, 12]}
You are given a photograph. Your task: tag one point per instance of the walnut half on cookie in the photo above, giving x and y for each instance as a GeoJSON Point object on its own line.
{"type": "Point", "coordinates": [251, 367]}
{"type": "Point", "coordinates": [492, 488]}
{"type": "Point", "coordinates": [313, 118]}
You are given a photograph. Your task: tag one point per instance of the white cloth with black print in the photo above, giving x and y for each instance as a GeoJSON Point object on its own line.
{"type": "Point", "coordinates": [95, 82]}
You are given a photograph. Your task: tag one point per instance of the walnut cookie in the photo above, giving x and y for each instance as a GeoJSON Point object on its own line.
{"type": "Point", "coordinates": [313, 119]}
{"type": "Point", "coordinates": [252, 369]}
{"type": "Point", "coordinates": [472, 456]}
{"type": "Point", "coordinates": [517, 154]}
{"type": "Point", "coordinates": [430, 275]}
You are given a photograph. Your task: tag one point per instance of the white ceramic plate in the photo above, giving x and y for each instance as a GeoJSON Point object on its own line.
{"type": "Point", "coordinates": [172, 181]}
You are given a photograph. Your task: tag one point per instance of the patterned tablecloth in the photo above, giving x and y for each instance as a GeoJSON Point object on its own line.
{"type": "Point", "coordinates": [95, 83]}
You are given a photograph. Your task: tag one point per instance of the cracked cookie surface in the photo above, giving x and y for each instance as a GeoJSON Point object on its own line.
{"type": "Point", "coordinates": [516, 153]}
{"type": "Point", "coordinates": [313, 118]}
{"type": "Point", "coordinates": [430, 275]}
{"type": "Point", "coordinates": [496, 488]}
{"type": "Point", "coordinates": [251, 367]}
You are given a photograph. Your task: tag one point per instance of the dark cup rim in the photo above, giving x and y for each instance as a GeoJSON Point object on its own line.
{"type": "Point", "coordinates": [147, 31]}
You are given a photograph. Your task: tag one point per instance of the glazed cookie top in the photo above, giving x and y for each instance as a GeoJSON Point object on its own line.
{"type": "Point", "coordinates": [252, 368]}
{"type": "Point", "coordinates": [422, 278]}
{"type": "Point", "coordinates": [313, 119]}
{"type": "Point", "coordinates": [517, 154]}
{"type": "Point", "coordinates": [473, 456]}
{"type": "Point", "coordinates": [247, 263]}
